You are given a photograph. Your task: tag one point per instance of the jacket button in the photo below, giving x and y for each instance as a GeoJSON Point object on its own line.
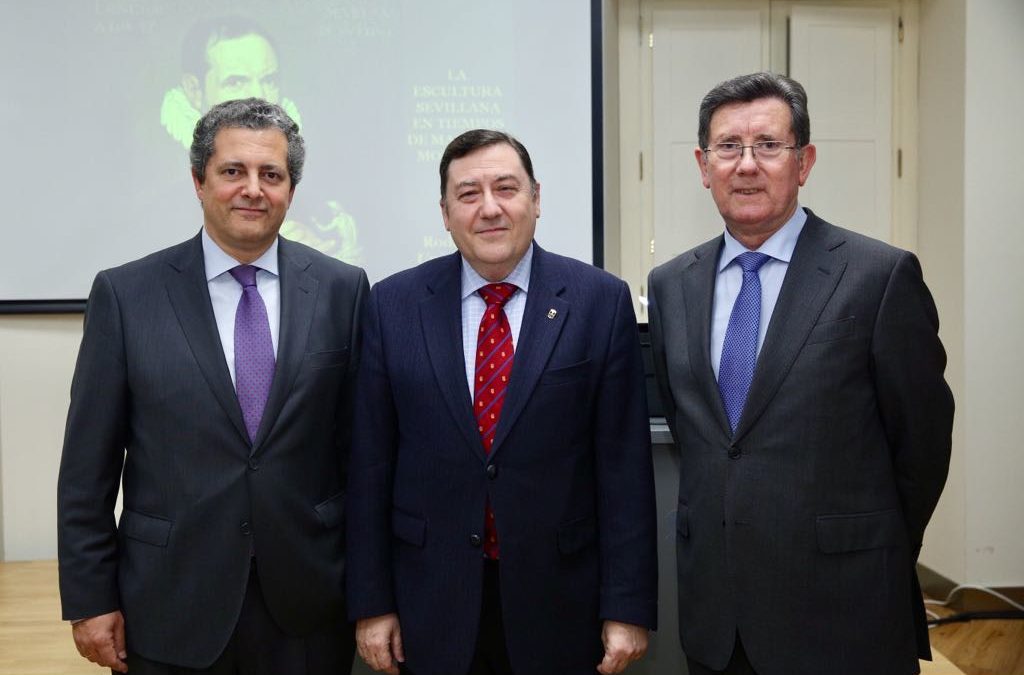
{"type": "Point", "coordinates": [254, 465]}
{"type": "Point", "coordinates": [492, 471]}
{"type": "Point", "coordinates": [475, 540]}
{"type": "Point", "coordinates": [246, 530]}
{"type": "Point", "coordinates": [734, 453]}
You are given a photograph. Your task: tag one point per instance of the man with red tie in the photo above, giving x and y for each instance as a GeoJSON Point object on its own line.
{"type": "Point", "coordinates": [501, 501]}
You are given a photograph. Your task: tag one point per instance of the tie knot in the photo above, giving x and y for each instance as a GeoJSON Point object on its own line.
{"type": "Point", "coordinates": [244, 274]}
{"type": "Point", "coordinates": [497, 294]}
{"type": "Point", "coordinates": [752, 261]}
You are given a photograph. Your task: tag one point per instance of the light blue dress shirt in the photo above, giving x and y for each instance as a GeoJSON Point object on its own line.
{"type": "Point", "coordinates": [473, 307]}
{"type": "Point", "coordinates": [225, 293]}
{"type": "Point", "coordinates": [780, 247]}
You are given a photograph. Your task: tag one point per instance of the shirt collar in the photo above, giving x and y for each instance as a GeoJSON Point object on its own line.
{"type": "Point", "coordinates": [217, 261]}
{"type": "Point", "coordinates": [779, 246]}
{"type": "Point", "coordinates": [519, 277]}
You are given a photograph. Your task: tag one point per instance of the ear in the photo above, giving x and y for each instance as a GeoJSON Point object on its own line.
{"type": "Point", "coordinates": [807, 157]}
{"type": "Point", "coordinates": [702, 166]}
{"type": "Point", "coordinates": [536, 200]}
{"type": "Point", "coordinates": [444, 214]}
{"type": "Point", "coordinates": [193, 91]}
{"type": "Point", "coordinates": [198, 184]}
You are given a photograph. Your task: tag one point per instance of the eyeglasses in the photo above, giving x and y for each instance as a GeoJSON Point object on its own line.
{"type": "Point", "coordinates": [769, 150]}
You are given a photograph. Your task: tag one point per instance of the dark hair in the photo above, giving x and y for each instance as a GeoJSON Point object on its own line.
{"type": "Point", "coordinates": [246, 113]}
{"type": "Point", "coordinates": [195, 48]}
{"type": "Point", "coordinates": [470, 141]}
{"type": "Point", "coordinates": [747, 88]}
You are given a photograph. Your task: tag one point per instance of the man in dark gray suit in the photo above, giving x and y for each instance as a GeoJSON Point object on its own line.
{"type": "Point", "coordinates": [802, 377]}
{"type": "Point", "coordinates": [216, 377]}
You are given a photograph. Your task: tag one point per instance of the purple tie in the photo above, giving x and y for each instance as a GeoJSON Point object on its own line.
{"type": "Point", "coordinates": [254, 350]}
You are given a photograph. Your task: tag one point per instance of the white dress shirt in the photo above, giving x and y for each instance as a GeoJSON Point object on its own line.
{"type": "Point", "coordinates": [225, 293]}
{"type": "Point", "coordinates": [780, 247]}
{"type": "Point", "coordinates": [473, 308]}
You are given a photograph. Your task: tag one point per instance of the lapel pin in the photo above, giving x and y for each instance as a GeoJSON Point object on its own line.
{"type": "Point", "coordinates": [552, 313]}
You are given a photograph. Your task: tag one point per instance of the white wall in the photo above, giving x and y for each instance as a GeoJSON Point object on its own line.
{"type": "Point", "coordinates": [993, 302]}
{"type": "Point", "coordinates": [970, 237]}
{"type": "Point", "coordinates": [37, 358]}
{"type": "Point", "coordinates": [940, 246]}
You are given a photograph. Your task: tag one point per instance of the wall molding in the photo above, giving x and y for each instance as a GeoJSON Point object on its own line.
{"type": "Point", "coordinates": [938, 587]}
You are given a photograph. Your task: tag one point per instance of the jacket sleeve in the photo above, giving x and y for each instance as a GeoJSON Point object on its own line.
{"type": "Point", "coordinates": [626, 501]}
{"type": "Point", "coordinates": [95, 438]}
{"type": "Point", "coordinates": [344, 409]}
{"type": "Point", "coordinates": [914, 400]}
{"type": "Point", "coordinates": [668, 405]}
{"type": "Point", "coordinates": [374, 445]}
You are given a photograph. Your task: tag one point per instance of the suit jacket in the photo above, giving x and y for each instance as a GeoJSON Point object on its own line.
{"type": "Point", "coordinates": [569, 476]}
{"type": "Point", "coordinates": [152, 397]}
{"type": "Point", "coordinates": [801, 530]}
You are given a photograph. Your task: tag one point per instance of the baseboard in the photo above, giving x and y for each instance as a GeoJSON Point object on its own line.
{"type": "Point", "coordinates": [938, 587]}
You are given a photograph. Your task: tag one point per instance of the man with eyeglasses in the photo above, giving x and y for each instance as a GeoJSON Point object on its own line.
{"type": "Point", "coordinates": [802, 377]}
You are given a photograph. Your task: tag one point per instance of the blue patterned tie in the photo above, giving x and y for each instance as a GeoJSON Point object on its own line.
{"type": "Point", "coordinates": [254, 350]}
{"type": "Point", "coordinates": [739, 350]}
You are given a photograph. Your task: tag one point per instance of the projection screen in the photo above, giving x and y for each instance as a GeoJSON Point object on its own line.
{"type": "Point", "coordinates": [100, 97]}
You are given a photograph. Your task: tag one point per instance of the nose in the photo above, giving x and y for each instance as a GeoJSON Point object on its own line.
{"type": "Point", "coordinates": [251, 187]}
{"type": "Point", "coordinates": [746, 163]}
{"type": "Point", "coordinates": [489, 208]}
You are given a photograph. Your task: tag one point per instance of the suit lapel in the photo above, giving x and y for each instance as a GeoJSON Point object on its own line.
{"type": "Point", "coordinates": [537, 338]}
{"type": "Point", "coordinates": [812, 277]}
{"type": "Point", "coordinates": [190, 299]}
{"type": "Point", "coordinates": [698, 294]}
{"type": "Point", "coordinates": [298, 299]}
{"type": "Point", "coordinates": [440, 317]}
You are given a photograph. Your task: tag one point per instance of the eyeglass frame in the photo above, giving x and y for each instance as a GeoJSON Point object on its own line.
{"type": "Point", "coordinates": [753, 150]}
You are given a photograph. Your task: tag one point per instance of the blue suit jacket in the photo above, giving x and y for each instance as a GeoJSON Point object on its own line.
{"type": "Point", "coordinates": [569, 476]}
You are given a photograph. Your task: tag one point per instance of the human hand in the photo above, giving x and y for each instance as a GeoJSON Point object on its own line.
{"type": "Point", "coordinates": [623, 644]}
{"type": "Point", "coordinates": [100, 639]}
{"type": "Point", "coordinates": [379, 640]}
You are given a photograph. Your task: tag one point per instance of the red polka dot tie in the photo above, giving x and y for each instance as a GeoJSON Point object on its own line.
{"type": "Point", "coordinates": [254, 350]}
{"type": "Point", "coordinates": [494, 354]}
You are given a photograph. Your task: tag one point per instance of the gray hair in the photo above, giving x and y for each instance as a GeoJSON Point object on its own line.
{"type": "Point", "coordinates": [247, 113]}
{"type": "Point", "coordinates": [474, 140]}
{"type": "Point", "coordinates": [747, 88]}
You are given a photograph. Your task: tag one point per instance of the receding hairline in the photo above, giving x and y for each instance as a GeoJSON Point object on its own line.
{"type": "Point", "coordinates": [762, 136]}
{"type": "Point", "coordinates": [470, 182]}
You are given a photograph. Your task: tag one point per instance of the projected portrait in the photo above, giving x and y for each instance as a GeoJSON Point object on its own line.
{"type": "Point", "coordinates": [230, 58]}
{"type": "Point", "coordinates": [375, 85]}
